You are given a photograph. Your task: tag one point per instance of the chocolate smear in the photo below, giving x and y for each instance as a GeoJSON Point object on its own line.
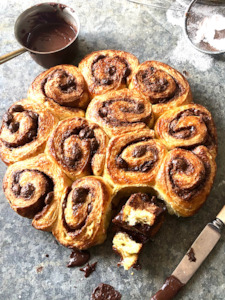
{"type": "Point", "coordinates": [191, 255]}
{"type": "Point", "coordinates": [78, 258]}
{"type": "Point", "coordinates": [105, 292]}
{"type": "Point", "coordinates": [88, 269]}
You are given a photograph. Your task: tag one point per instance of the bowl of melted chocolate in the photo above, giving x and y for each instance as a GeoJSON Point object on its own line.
{"type": "Point", "coordinates": [49, 31]}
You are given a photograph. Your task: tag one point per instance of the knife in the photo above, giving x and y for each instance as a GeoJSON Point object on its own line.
{"type": "Point", "coordinates": [192, 260]}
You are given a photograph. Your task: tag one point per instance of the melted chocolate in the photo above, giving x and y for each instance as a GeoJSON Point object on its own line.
{"type": "Point", "coordinates": [169, 290]}
{"type": "Point", "coordinates": [105, 292]}
{"type": "Point", "coordinates": [191, 255]}
{"type": "Point", "coordinates": [51, 33]}
{"type": "Point", "coordinates": [88, 269]}
{"type": "Point", "coordinates": [78, 258]}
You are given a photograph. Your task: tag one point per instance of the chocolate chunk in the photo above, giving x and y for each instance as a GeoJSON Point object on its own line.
{"type": "Point", "coordinates": [86, 133]}
{"type": "Point", "coordinates": [76, 153]}
{"type": "Point", "coordinates": [17, 108]}
{"type": "Point", "coordinates": [94, 146]}
{"type": "Point", "coordinates": [127, 72]}
{"type": "Point", "coordinates": [106, 81]}
{"type": "Point", "coordinates": [16, 189]}
{"type": "Point", "coordinates": [33, 115]}
{"type": "Point", "coordinates": [14, 126]}
{"type": "Point", "coordinates": [139, 151]}
{"type": "Point", "coordinates": [7, 118]}
{"type": "Point", "coordinates": [90, 207]}
{"type": "Point", "coordinates": [31, 134]}
{"type": "Point", "coordinates": [49, 198]}
{"type": "Point", "coordinates": [147, 166]}
{"type": "Point", "coordinates": [79, 195]}
{"type": "Point", "coordinates": [105, 292]}
{"type": "Point", "coordinates": [88, 269]}
{"type": "Point", "coordinates": [112, 70]}
{"type": "Point", "coordinates": [78, 258]}
{"type": "Point", "coordinates": [103, 111]}
{"type": "Point", "coordinates": [121, 163]}
{"type": "Point", "coordinates": [27, 190]}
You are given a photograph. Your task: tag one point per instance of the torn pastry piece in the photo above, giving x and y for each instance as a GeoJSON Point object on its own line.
{"type": "Point", "coordinates": [138, 221]}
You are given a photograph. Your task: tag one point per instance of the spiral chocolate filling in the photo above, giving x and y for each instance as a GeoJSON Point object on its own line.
{"type": "Point", "coordinates": [133, 106]}
{"type": "Point", "coordinates": [188, 132]}
{"type": "Point", "coordinates": [138, 152]}
{"type": "Point", "coordinates": [79, 196]}
{"type": "Point", "coordinates": [27, 192]}
{"type": "Point", "coordinates": [109, 65]}
{"type": "Point", "coordinates": [13, 125]}
{"type": "Point", "coordinates": [84, 133]}
{"type": "Point", "coordinates": [65, 83]}
{"type": "Point", "coordinates": [153, 83]}
{"type": "Point", "coordinates": [180, 164]}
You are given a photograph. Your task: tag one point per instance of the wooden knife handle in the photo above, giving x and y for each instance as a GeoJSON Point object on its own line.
{"type": "Point", "coordinates": [169, 290]}
{"type": "Point", "coordinates": [221, 215]}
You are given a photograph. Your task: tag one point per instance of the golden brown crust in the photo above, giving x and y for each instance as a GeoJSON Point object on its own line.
{"type": "Point", "coordinates": [34, 188]}
{"type": "Point", "coordinates": [107, 70]}
{"type": "Point", "coordinates": [134, 158]}
{"type": "Point", "coordinates": [185, 179]}
{"type": "Point", "coordinates": [78, 147]}
{"type": "Point", "coordinates": [165, 87]}
{"type": "Point", "coordinates": [120, 111]}
{"type": "Point", "coordinates": [62, 90]}
{"type": "Point", "coordinates": [187, 126]}
{"type": "Point", "coordinates": [25, 130]}
{"type": "Point", "coordinates": [84, 214]}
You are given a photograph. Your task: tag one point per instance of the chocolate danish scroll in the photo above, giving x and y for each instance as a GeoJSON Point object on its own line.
{"type": "Point", "coordinates": [62, 90]}
{"type": "Point", "coordinates": [120, 111]}
{"type": "Point", "coordinates": [78, 147]}
{"type": "Point", "coordinates": [107, 70]}
{"type": "Point", "coordinates": [84, 214]}
{"type": "Point", "coordinates": [24, 131]}
{"type": "Point", "coordinates": [187, 126]}
{"type": "Point", "coordinates": [34, 188]}
{"type": "Point", "coordinates": [134, 158]}
{"type": "Point", "coordinates": [185, 179]}
{"type": "Point", "coordinates": [165, 87]}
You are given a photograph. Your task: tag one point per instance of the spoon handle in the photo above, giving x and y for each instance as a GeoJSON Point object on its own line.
{"type": "Point", "coordinates": [11, 55]}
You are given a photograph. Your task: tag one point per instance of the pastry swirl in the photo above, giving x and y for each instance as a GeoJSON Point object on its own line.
{"type": "Point", "coordinates": [164, 86]}
{"type": "Point", "coordinates": [62, 89]}
{"type": "Point", "coordinates": [185, 179]}
{"type": "Point", "coordinates": [34, 188]}
{"type": "Point", "coordinates": [84, 214]}
{"type": "Point", "coordinates": [120, 111]}
{"type": "Point", "coordinates": [187, 126]}
{"type": "Point", "coordinates": [134, 158]}
{"type": "Point", "coordinates": [107, 70]}
{"type": "Point", "coordinates": [78, 147]}
{"type": "Point", "coordinates": [24, 131]}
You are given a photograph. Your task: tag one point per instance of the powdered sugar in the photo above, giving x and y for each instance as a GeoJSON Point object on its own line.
{"type": "Point", "coordinates": [183, 51]}
{"type": "Point", "coordinates": [212, 31]}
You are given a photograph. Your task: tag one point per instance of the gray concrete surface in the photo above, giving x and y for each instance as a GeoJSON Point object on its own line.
{"type": "Point", "coordinates": [149, 34]}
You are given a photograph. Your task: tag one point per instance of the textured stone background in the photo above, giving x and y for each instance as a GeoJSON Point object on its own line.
{"type": "Point", "coordinates": [149, 34]}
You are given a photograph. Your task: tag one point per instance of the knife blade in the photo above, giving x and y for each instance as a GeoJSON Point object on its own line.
{"type": "Point", "coordinates": [192, 260]}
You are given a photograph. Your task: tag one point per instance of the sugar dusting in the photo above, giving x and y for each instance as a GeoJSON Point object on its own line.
{"type": "Point", "coordinates": [184, 52]}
